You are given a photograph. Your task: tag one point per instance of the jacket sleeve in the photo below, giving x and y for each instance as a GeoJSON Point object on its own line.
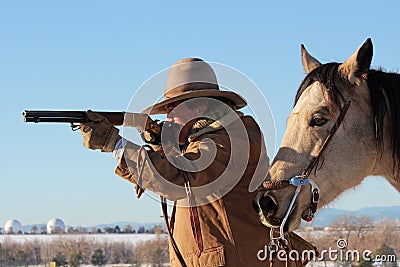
{"type": "Point", "coordinates": [204, 160]}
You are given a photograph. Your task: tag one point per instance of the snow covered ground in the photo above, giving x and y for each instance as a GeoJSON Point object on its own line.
{"type": "Point", "coordinates": [130, 238]}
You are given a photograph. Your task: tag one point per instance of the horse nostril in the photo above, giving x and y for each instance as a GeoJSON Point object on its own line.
{"type": "Point", "coordinates": [268, 205]}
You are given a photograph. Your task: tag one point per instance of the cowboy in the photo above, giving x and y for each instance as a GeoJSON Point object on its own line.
{"type": "Point", "coordinates": [209, 142]}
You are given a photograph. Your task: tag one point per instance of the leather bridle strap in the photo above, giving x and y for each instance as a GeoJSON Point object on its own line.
{"type": "Point", "coordinates": [299, 180]}
{"type": "Point", "coordinates": [303, 179]}
{"type": "Point", "coordinates": [328, 138]}
{"type": "Point", "coordinates": [169, 227]}
{"type": "Point", "coordinates": [194, 222]}
{"type": "Point", "coordinates": [314, 162]}
{"type": "Point", "coordinates": [275, 185]}
{"type": "Point", "coordinates": [194, 217]}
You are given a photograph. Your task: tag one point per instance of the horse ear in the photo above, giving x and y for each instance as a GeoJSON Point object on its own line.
{"type": "Point", "coordinates": [309, 62]}
{"type": "Point", "coordinates": [358, 64]}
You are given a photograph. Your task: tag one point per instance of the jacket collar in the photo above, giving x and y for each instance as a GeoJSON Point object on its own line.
{"type": "Point", "coordinates": [203, 126]}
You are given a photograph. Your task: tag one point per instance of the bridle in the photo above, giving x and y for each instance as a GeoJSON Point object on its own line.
{"type": "Point", "coordinates": [303, 179]}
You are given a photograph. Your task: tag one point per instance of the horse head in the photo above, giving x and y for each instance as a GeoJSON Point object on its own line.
{"type": "Point", "coordinates": [351, 154]}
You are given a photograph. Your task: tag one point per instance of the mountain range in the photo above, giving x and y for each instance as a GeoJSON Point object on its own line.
{"type": "Point", "coordinates": [323, 218]}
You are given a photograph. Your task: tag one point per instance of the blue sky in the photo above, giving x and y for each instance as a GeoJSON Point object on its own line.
{"type": "Point", "coordinates": [96, 54]}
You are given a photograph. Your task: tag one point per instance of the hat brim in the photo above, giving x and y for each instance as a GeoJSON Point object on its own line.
{"type": "Point", "coordinates": [159, 108]}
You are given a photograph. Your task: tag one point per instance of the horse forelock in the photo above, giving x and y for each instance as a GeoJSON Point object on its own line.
{"type": "Point", "coordinates": [328, 76]}
{"type": "Point", "coordinates": [384, 90]}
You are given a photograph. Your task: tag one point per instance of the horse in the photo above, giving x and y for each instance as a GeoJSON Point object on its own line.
{"type": "Point", "coordinates": [344, 126]}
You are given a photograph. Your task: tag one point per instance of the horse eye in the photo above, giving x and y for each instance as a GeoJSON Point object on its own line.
{"type": "Point", "coordinates": [317, 122]}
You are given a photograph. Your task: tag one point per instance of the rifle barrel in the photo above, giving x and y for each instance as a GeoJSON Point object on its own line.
{"type": "Point", "coordinates": [116, 118]}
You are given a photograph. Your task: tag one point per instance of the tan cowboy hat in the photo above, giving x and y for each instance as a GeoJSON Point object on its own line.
{"type": "Point", "coordinates": [190, 78]}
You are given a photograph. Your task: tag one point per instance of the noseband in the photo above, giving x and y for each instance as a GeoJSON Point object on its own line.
{"type": "Point", "coordinates": [299, 180]}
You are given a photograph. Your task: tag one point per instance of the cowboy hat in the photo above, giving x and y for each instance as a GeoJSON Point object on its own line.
{"type": "Point", "coordinates": [190, 78]}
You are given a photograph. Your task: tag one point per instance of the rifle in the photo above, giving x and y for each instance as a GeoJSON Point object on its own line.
{"type": "Point", "coordinates": [139, 120]}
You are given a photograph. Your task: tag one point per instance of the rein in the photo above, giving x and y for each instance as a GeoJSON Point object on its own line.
{"type": "Point", "coordinates": [299, 180]}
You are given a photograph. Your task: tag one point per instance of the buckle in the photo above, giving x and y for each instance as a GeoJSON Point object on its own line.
{"type": "Point", "coordinates": [299, 180]}
{"type": "Point", "coordinates": [315, 196]}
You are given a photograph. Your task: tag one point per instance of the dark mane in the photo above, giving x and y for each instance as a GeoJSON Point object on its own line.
{"type": "Point", "coordinates": [384, 89]}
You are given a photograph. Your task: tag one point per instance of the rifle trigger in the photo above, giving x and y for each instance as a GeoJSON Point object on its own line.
{"type": "Point", "coordinates": [75, 127]}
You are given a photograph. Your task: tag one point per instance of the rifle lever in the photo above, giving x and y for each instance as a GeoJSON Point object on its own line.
{"type": "Point", "coordinates": [75, 127]}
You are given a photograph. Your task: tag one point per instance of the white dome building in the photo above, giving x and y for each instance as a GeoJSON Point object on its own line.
{"type": "Point", "coordinates": [13, 227]}
{"type": "Point", "coordinates": [55, 226]}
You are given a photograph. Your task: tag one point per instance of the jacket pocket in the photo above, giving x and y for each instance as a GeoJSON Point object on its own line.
{"type": "Point", "coordinates": [212, 257]}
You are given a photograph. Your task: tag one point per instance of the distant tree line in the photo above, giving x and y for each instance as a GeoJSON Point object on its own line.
{"type": "Point", "coordinates": [359, 233]}
{"type": "Point", "coordinates": [64, 251]}
{"type": "Point", "coordinates": [127, 229]}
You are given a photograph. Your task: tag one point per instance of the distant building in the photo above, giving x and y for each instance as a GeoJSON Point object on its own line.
{"type": "Point", "coordinates": [55, 226]}
{"type": "Point", "coordinates": [13, 227]}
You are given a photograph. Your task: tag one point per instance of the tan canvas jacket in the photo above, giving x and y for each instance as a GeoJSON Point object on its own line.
{"type": "Point", "coordinates": [231, 230]}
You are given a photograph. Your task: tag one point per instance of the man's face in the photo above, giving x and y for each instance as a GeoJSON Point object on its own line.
{"type": "Point", "coordinates": [181, 113]}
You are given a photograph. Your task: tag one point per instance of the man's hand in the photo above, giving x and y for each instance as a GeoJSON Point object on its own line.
{"type": "Point", "coordinates": [152, 133]}
{"type": "Point", "coordinates": [99, 133]}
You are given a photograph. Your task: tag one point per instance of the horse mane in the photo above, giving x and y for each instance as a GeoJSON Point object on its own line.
{"type": "Point", "coordinates": [384, 90]}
